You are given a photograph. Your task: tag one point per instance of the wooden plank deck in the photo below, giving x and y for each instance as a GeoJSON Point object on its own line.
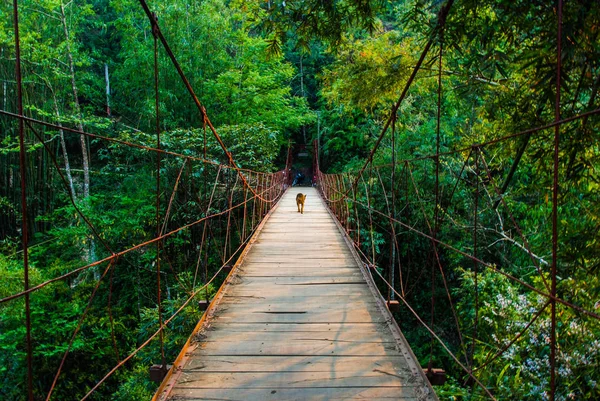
{"type": "Point", "coordinates": [299, 319]}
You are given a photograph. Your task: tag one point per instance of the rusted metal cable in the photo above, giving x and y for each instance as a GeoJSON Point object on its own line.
{"type": "Point", "coordinates": [393, 244]}
{"type": "Point", "coordinates": [158, 225]}
{"type": "Point", "coordinates": [555, 190]}
{"type": "Point", "coordinates": [194, 158]}
{"type": "Point", "coordinates": [172, 198]}
{"type": "Point", "coordinates": [24, 218]}
{"type": "Point", "coordinates": [104, 138]}
{"type": "Point", "coordinates": [204, 228]}
{"type": "Point", "coordinates": [165, 322]}
{"type": "Point", "coordinates": [436, 337]}
{"type": "Point", "coordinates": [475, 264]}
{"type": "Point", "coordinates": [529, 131]}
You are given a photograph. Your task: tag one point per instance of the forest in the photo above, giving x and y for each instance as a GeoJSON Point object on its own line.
{"type": "Point", "coordinates": [441, 117]}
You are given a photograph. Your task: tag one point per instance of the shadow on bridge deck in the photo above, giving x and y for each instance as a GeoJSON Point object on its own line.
{"type": "Point", "coordinates": [299, 319]}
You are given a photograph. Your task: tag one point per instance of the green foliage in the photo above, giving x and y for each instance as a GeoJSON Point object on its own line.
{"type": "Point", "coordinates": [369, 72]}
{"type": "Point", "coordinates": [309, 20]}
{"type": "Point", "coordinates": [521, 372]}
{"type": "Point", "coordinates": [254, 145]}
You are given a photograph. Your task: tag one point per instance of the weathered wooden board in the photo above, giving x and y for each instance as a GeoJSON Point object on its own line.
{"type": "Point", "coordinates": [301, 347]}
{"type": "Point", "coordinates": [334, 316]}
{"type": "Point", "coordinates": [285, 394]}
{"type": "Point", "coordinates": [321, 328]}
{"type": "Point", "coordinates": [297, 300]}
{"type": "Point", "coordinates": [315, 363]}
{"type": "Point", "coordinates": [372, 336]}
{"type": "Point", "coordinates": [298, 321]}
{"type": "Point", "coordinates": [263, 271]}
{"type": "Point", "coordinates": [195, 379]}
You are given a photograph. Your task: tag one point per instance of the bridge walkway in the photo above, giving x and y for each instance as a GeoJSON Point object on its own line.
{"type": "Point", "coordinates": [298, 319]}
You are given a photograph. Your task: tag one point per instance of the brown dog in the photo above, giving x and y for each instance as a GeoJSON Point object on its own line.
{"type": "Point", "coordinates": [300, 202]}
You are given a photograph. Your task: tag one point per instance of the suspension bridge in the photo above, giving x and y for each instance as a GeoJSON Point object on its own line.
{"type": "Point", "coordinates": [305, 312]}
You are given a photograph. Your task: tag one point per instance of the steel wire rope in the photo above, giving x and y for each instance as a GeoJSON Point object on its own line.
{"type": "Point", "coordinates": [158, 225]}
{"type": "Point", "coordinates": [468, 148]}
{"type": "Point", "coordinates": [555, 191]}
{"type": "Point", "coordinates": [24, 215]}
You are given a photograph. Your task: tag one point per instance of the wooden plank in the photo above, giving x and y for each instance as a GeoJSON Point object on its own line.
{"type": "Point", "coordinates": [321, 379]}
{"type": "Point", "coordinates": [300, 253]}
{"type": "Point", "coordinates": [358, 337]}
{"type": "Point", "coordinates": [323, 328]}
{"type": "Point", "coordinates": [301, 263]}
{"type": "Point", "coordinates": [274, 306]}
{"type": "Point", "coordinates": [296, 272]}
{"type": "Point", "coordinates": [285, 394]}
{"type": "Point", "coordinates": [257, 348]}
{"type": "Point", "coordinates": [335, 290]}
{"type": "Point", "coordinates": [298, 300]}
{"type": "Point", "coordinates": [343, 260]}
{"type": "Point", "coordinates": [274, 282]}
{"type": "Point", "coordinates": [307, 288]}
{"type": "Point", "coordinates": [290, 244]}
{"type": "Point", "coordinates": [331, 316]}
{"type": "Point", "coordinates": [286, 363]}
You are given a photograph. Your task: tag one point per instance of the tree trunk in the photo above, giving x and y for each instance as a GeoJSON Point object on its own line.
{"type": "Point", "coordinates": [91, 256]}
{"type": "Point", "coordinates": [63, 146]}
{"type": "Point", "coordinates": [77, 107]}
{"type": "Point", "coordinates": [106, 78]}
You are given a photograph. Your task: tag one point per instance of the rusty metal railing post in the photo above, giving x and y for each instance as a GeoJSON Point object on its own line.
{"type": "Point", "coordinates": [555, 190]}
{"type": "Point", "coordinates": [158, 225]}
{"type": "Point", "coordinates": [24, 221]}
{"type": "Point", "coordinates": [475, 262]}
{"type": "Point", "coordinates": [393, 240]}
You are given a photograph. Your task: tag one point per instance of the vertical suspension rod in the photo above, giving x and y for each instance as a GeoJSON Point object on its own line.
{"type": "Point", "coordinates": [476, 263]}
{"type": "Point", "coordinates": [393, 242]}
{"type": "Point", "coordinates": [158, 156]}
{"type": "Point", "coordinates": [437, 187]}
{"type": "Point", "coordinates": [24, 220]}
{"type": "Point", "coordinates": [555, 203]}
